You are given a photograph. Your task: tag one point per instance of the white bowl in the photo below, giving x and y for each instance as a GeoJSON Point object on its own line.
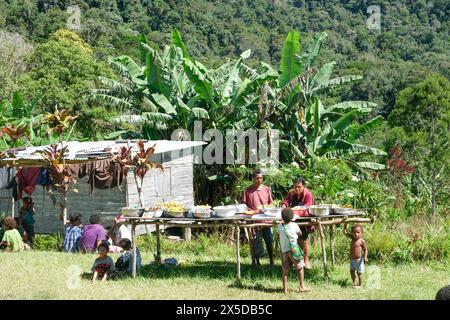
{"type": "Point", "coordinates": [224, 211]}
{"type": "Point", "coordinates": [343, 210]}
{"type": "Point", "coordinates": [132, 212]}
{"type": "Point", "coordinates": [158, 213]}
{"type": "Point", "coordinates": [273, 212]}
{"type": "Point", "coordinates": [319, 210]}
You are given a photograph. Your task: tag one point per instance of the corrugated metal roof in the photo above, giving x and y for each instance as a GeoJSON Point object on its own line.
{"type": "Point", "coordinates": [80, 152]}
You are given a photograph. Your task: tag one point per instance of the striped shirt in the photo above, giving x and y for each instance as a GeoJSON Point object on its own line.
{"type": "Point", "coordinates": [71, 238]}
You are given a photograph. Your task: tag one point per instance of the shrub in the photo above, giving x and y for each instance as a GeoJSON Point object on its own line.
{"type": "Point", "coordinates": [48, 242]}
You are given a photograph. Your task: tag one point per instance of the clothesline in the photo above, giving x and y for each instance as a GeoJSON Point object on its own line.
{"type": "Point", "coordinates": [102, 174]}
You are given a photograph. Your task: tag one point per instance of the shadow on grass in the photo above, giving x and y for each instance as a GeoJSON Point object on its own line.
{"type": "Point", "coordinates": [210, 269]}
{"type": "Point", "coordinates": [226, 271]}
{"type": "Point", "coordinates": [256, 287]}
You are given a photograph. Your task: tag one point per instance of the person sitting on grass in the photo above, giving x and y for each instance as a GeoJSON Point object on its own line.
{"type": "Point", "coordinates": [73, 234]}
{"type": "Point", "coordinates": [93, 235]}
{"type": "Point", "coordinates": [103, 266]}
{"type": "Point", "coordinates": [125, 261]}
{"type": "Point", "coordinates": [118, 232]}
{"type": "Point", "coordinates": [291, 253]}
{"type": "Point", "coordinates": [357, 248]}
{"type": "Point", "coordinates": [23, 234]}
{"type": "Point", "coordinates": [11, 240]}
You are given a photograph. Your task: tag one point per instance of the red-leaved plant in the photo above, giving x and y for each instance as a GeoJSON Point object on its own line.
{"type": "Point", "coordinates": [140, 163]}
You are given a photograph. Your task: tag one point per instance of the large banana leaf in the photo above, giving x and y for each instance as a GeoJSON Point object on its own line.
{"type": "Point", "coordinates": [135, 72]}
{"type": "Point", "coordinates": [357, 105]}
{"type": "Point", "coordinates": [154, 74]}
{"type": "Point", "coordinates": [162, 101]}
{"type": "Point", "coordinates": [290, 67]}
{"type": "Point", "coordinates": [115, 86]}
{"type": "Point", "coordinates": [307, 60]}
{"type": "Point", "coordinates": [336, 81]}
{"type": "Point", "coordinates": [356, 131]}
{"type": "Point", "coordinates": [178, 42]}
{"type": "Point", "coordinates": [342, 124]}
{"type": "Point", "coordinates": [202, 84]}
{"type": "Point", "coordinates": [292, 148]}
{"type": "Point", "coordinates": [322, 76]}
{"type": "Point", "coordinates": [371, 165]}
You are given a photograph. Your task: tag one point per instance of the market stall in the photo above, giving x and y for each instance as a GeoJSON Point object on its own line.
{"type": "Point", "coordinates": [239, 221]}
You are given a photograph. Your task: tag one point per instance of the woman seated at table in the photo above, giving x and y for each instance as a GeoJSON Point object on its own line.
{"type": "Point", "coordinates": [301, 196]}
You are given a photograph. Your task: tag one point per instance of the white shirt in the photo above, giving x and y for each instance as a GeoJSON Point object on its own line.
{"type": "Point", "coordinates": [123, 233]}
{"type": "Point", "coordinates": [292, 231]}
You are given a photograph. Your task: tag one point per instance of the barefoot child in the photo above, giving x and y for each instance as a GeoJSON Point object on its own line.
{"type": "Point", "coordinates": [103, 266]}
{"type": "Point", "coordinates": [290, 250]}
{"type": "Point", "coordinates": [357, 246]}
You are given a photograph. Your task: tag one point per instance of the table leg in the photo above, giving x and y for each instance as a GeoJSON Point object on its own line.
{"type": "Point", "coordinates": [238, 255]}
{"type": "Point", "coordinates": [332, 245]}
{"type": "Point", "coordinates": [158, 245]}
{"type": "Point", "coordinates": [324, 253]}
{"type": "Point", "coordinates": [250, 245]}
{"type": "Point", "coordinates": [133, 241]}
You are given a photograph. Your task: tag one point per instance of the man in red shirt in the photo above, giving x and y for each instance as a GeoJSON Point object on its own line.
{"type": "Point", "coordinates": [258, 195]}
{"type": "Point", "coordinates": [301, 196]}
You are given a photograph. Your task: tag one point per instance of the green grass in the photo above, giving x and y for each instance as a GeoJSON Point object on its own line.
{"type": "Point", "coordinates": [207, 271]}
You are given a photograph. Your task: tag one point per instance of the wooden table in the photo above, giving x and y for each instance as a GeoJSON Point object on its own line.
{"type": "Point", "coordinates": [240, 221]}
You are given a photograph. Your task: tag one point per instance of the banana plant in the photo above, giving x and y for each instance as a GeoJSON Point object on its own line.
{"type": "Point", "coordinates": [311, 129]}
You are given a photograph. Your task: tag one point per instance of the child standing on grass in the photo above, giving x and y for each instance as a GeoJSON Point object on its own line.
{"type": "Point", "coordinates": [11, 240]}
{"type": "Point", "coordinates": [291, 253]}
{"type": "Point", "coordinates": [103, 266]}
{"type": "Point", "coordinates": [357, 248]}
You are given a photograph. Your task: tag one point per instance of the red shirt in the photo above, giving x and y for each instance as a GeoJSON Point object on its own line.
{"type": "Point", "coordinates": [254, 197]}
{"type": "Point", "coordinates": [305, 199]}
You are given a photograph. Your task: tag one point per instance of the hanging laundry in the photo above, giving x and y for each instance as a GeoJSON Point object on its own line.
{"type": "Point", "coordinates": [44, 178]}
{"type": "Point", "coordinates": [103, 174]}
{"type": "Point", "coordinates": [6, 176]}
{"type": "Point", "coordinates": [27, 179]}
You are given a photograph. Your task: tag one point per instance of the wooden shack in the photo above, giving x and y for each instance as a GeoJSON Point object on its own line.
{"type": "Point", "coordinates": [175, 183]}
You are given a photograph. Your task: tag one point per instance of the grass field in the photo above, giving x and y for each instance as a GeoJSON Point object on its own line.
{"type": "Point", "coordinates": [205, 275]}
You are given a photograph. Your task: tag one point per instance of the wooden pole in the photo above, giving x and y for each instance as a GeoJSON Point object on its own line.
{"type": "Point", "coordinates": [158, 245]}
{"type": "Point", "coordinates": [324, 254]}
{"type": "Point", "coordinates": [12, 207]}
{"type": "Point", "coordinates": [332, 244]}
{"type": "Point", "coordinates": [133, 241]}
{"type": "Point", "coordinates": [250, 245]}
{"type": "Point", "coordinates": [238, 255]}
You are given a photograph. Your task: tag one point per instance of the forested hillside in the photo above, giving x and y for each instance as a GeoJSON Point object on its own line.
{"type": "Point", "coordinates": [412, 42]}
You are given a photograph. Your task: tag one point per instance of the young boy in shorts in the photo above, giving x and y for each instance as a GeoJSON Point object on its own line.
{"type": "Point", "coordinates": [290, 250]}
{"type": "Point", "coordinates": [358, 253]}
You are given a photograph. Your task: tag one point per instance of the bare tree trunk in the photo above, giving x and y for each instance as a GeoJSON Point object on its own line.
{"type": "Point", "coordinates": [139, 189]}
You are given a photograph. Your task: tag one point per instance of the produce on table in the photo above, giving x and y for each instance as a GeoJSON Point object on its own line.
{"type": "Point", "coordinates": [172, 206]}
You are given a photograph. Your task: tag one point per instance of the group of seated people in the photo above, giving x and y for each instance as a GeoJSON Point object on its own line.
{"type": "Point", "coordinates": [93, 237]}
{"type": "Point", "coordinates": [89, 238]}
